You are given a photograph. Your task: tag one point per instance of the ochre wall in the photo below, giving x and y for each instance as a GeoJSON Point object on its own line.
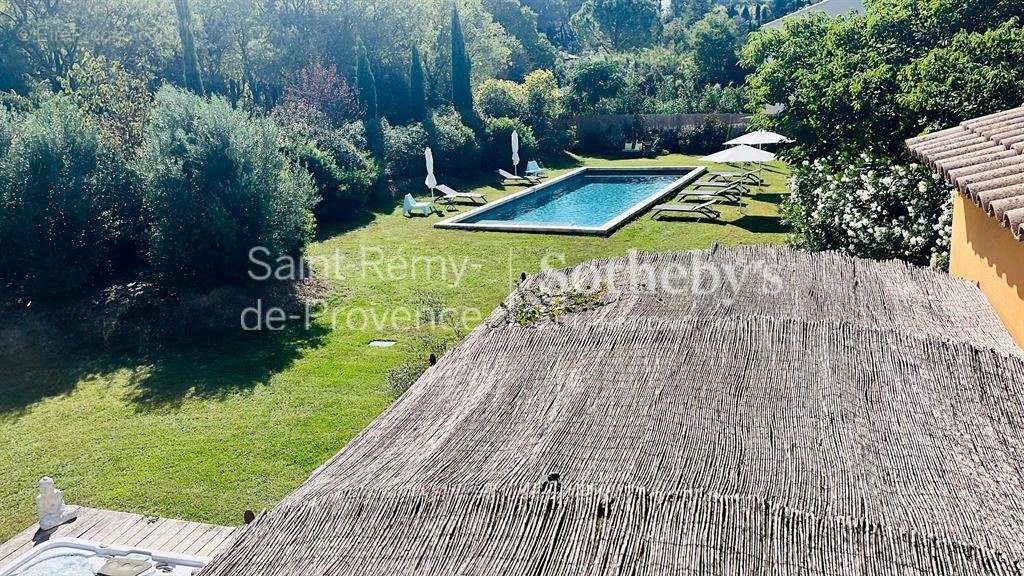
{"type": "Point", "coordinates": [988, 255]}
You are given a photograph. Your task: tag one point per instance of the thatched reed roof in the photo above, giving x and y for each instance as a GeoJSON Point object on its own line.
{"type": "Point", "coordinates": [984, 159]}
{"type": "Point", "coordinates": [779, 434]}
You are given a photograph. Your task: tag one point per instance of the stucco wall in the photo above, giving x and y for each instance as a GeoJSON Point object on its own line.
{"type": "Point", "coordinates": [987, 254]}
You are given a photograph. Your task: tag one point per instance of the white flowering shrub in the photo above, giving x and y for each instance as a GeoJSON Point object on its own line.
{"type": "Point", "coordinates": [871, 207]}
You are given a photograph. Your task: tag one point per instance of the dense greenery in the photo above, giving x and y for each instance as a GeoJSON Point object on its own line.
{"type": "Point", "coordinates": [853, 90]}
{"type": "Point", "coordinates": [59, 187]}
{"type": "Point", "coordinates": [216, 186]}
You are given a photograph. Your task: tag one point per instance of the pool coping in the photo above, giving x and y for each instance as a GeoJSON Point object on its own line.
{"type": "Point", "coordinates": [691, 174]}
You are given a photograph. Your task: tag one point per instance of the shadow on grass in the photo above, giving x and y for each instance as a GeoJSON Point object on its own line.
{"type": "Point", "coordinates": [220, 365]}
{"type": "Point", "coordinates": [211, 367]}
{"type": "Point", "coordinates": [771, 197]}
{"type": "Point", "coordinates": [761, 224]}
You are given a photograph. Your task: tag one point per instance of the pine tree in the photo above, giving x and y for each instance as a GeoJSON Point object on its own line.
{"type": "Point", "coordinates": [417, 90]}
{"type": "Point", "coordinates": [190, 60]}
{"type": "Point", "coordinates": [462, 93]}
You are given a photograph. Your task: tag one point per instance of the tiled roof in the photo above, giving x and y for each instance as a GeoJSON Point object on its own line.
{"type": "Point", "coordinates": [984, 159]}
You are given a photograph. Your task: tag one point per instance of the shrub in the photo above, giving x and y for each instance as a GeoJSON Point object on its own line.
{"type": "Point", "coordinates": [497, 147]}
{"type": "Point", "coordinates": [703, 138]}
{"type": "Point", "coordinates": [343, 175]}
{"type": "Point", "coordinates": [608, 139]}
{"type": "Point", "coordinates": [545, 111]}
{"type": "Point", "coordinates": [58, 194]}
{"type": "Point", "coordinates": [118, 101]}
{"type": "Point", "coordinates": [871, 207]}
{"type": "Point", "coordinates": [403, 151]}
{"type": "Point", "coordinates": [217, 186]}
{"type": "Point", "coordinates": [501, 99]}
{"type": "Point", "coordinates": [455, 147]}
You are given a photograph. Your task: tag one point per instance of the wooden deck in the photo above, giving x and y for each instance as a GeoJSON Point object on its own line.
{"type": "Point", "coordinates": [127, 530]}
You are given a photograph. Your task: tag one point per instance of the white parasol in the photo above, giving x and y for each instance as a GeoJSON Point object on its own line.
{"type": "Point", "coordinates": [515, 152]}
{"type": "Point", "coordinates": [431, 180]}
{"type": "Point", "coordinates": [759, 138]}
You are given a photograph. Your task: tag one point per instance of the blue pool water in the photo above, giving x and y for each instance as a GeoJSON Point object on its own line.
{"type": "Point", "coordinates": [586, 200]}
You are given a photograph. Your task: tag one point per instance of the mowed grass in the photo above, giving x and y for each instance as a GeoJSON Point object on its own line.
{"type": "Point", "coordinates": [208, 429]}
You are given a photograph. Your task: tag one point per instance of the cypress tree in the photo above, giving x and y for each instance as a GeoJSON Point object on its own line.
{"type": "Point", "coordinates": [757, 12]}
{"type": "Point", "coordinates": [367, 87]}
{"type": "Point", "coordinates": [745, 12]}
{"type": "Point", "coordinates": [462, 94]}
{"type": "Point", "coordinates": [193, 78]}
{"type": "Point", "coordinates": [366, 84]}
{"type": "Point", "coordinates": [417, 90]}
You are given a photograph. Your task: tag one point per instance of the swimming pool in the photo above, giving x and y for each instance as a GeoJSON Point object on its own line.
{"type": "Point", "coordinates": [584, 201]}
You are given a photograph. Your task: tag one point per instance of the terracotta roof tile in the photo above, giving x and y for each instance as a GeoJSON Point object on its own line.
{"type": "Point", "coordinates": [984, 159]}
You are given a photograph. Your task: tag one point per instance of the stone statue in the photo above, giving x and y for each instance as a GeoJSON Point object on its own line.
{"type": "Point", "coordinates": [50, 503]}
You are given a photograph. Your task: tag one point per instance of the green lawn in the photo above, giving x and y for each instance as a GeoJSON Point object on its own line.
{"type": "Point", "coordinates": [207, 430]}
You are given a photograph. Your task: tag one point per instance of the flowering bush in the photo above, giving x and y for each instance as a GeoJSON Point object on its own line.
{"type": "Point", "coordinates": [872, 207]}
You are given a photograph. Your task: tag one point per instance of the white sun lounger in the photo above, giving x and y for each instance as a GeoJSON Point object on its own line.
{"type": "Point", "coordinates": [748, 176]}
{"type": "Point", "coordinates": [703, 195]}
{"type": "Point", "coordinates": [450, 195]}
{"type": "Point", "coordinates": [703, 209]}
{"type": "Point", "coordinates": [513, 177]}
{"type": "Point", "coordinates": [738, 187]}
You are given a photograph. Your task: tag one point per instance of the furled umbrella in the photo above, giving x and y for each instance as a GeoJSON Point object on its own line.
{"type": "Point", "coordinates": [515, 152]}
{"type": "Point", "coordinates": [431, 180]}
{"type": "Point", "coordinates": [759, 138]}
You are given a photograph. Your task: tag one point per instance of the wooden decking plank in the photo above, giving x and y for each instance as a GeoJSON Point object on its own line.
{"type": "Point", "coordinates": [174, 544]}
{"type": "Point", "coordinates": [129, 530]}
{"type": "Point", "coordinates": [157, 540]}
{"type": "Point", "coordinates": [201, 540]}
{"type": "Point", "coordinates": [216, 544]}
{"type": "Point", "coordinates": [132, 539]}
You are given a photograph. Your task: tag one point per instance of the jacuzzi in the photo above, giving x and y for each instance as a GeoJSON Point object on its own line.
{"type": "Point", "coordinates": [76, 557]}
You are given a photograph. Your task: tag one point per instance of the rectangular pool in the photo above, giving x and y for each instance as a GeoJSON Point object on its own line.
{"type": "Point", "coordinates": [584, 201]}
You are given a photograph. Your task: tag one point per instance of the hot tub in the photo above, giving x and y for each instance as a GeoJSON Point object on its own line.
{"type": "Point", "coordinates": [76, 557]}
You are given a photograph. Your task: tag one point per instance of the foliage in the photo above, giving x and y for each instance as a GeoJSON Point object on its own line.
{"type": "Point", "coordinates": [343, 177]}
{"type": "Point", "coordinates": [217, 186]}
{"type": "Point", "coordinates": [871, 206]}
{"type": "Point", "coordinates": [704, 138]}
{"type": "Point", "coordinates": [367, 88]}
{"type": "Point", "coordinates": [594, 85]}
{"type": "Point", "coordinates": [521, 23]}
{"type": "Point", "coordinates": [545, 112]}
{"type": "Point", "coordinates": [319, 90]}
{"type": "Point", "coordinates": [879, 78]}
{"type": "Point", "coordinates": [617, 24]}
{"type": "Point", "coordinates": [59, 192]}
{"type": "Point", "coordinates": [974, 74]}
{"type": "Point", "coordinates": [455, 146]}
{"type": "Point", "coordinates": [462, 94]}
{"type": "Point", "coordinates": [417, 89]}
{"type": "Point", "coordinates": [403, 151]}
{"type": "Point", "coordinates": [190, 59]}
{"type": "Point", "coordinates": [501, 99]}
{"type": "Point", "coordinates": [497, 143]}
{"type": "Point", "coordinates": [117, 100]}
{"type": "Point", "coordinates": [714, 40]}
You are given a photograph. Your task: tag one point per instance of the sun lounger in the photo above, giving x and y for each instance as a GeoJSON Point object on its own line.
{"type": "Point", "coordinates": [534, 169]}
{"type": "Point", "coordinates": [738, 187]}
{"type": "Point", "coordinates": [633, 148]}
{"type": "Point", "coordinates": [410, 206]}
{"type": "Point", "coordinates": [450, 195]}
{"type": "Point", "coordinates": [702, 209]}
{"type": "Point", "coordinates": [516, 178]}
{"type": "Point", "coordinates": [746, 176]}
{"type": "Point", "coordinates": [704, 195]}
